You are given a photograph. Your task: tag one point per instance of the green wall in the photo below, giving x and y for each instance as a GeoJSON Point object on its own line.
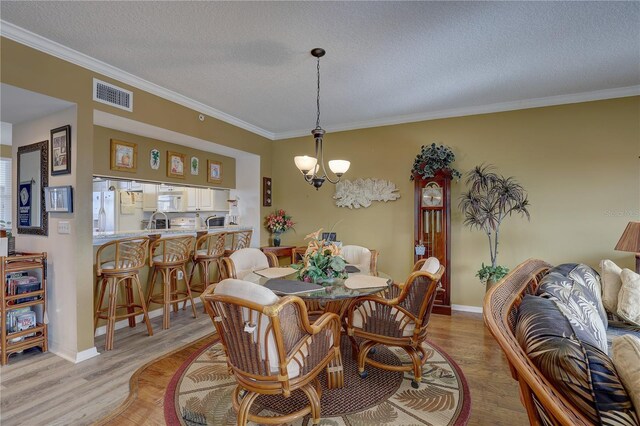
{"type": "Point", "coordinates": [578, 162]}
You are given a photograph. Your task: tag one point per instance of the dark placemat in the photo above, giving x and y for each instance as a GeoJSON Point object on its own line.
{"type": "Point", "coordinates": [351, 269]}
{"type": "Point", "coordinates": [280, 286]}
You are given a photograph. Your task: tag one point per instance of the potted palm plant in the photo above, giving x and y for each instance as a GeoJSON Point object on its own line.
{"type": "Point", "coordinates": [490, 199]}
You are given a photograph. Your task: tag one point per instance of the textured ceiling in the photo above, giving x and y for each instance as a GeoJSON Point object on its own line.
{"type": "Point", "coordinates": [385, 60]}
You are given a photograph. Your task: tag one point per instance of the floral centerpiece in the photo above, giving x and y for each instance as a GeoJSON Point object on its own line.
{"type": "Point", "coordinates": [277, 223]}
{"type": "Point", "coordinates": [321, 262]}
{"type": "Point", "coordinates": [431, 159]}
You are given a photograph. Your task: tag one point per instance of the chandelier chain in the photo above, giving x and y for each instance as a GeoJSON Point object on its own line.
{"type": "Point", "coordinates": [318, 97]}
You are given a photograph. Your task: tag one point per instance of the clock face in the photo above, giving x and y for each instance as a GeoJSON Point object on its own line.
{"type": "Point", "coordinates": [432, 195]}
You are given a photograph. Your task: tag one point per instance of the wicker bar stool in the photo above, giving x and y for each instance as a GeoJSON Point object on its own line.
{"type": "Point", "coordinates": [168, 257]}
{"type": "Point", "coordinates": [238, 240]}
{"type": "Point", "coordinates": [209, 249]}
{"type": "Point", "coordinates": [118, 263]}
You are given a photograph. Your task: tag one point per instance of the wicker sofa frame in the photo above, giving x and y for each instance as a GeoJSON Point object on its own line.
{"type": "Point", "coordinates": [545, 405]}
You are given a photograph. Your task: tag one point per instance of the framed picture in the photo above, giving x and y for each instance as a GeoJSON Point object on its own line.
{"type": "Point", "coordinates": [175, 164]}
{"type": "Point", "coordinates": [59, 199]}
{"type": "Point", "coordinates": [154, 159]}
{"type": "Point", "coordinates": [124, 156]}
{"type": "Point", "coordinates": [195, 166]}
{"type": "Point", "coordinates": [267, 192]}
{"type": "Point", "coordinates": [61, 150]}
{"type": "Point", "coordinates": [214, 171]}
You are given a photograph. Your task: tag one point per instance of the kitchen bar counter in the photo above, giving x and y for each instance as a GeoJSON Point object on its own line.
{"type": "Point", "coordinates": [100, 238]}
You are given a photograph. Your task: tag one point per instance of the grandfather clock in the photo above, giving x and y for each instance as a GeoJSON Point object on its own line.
{"type": "Point", "coordinates": [432, 228]}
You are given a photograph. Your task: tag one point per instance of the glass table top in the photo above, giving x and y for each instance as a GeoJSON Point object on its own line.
{"type": "Point", "coordinates": [334, 290]}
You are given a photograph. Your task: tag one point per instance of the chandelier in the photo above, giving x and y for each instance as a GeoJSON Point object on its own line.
{"type": "Point", "coordinates": [312, 168]}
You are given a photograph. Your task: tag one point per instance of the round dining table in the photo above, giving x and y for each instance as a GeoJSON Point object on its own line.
{"type": "Point", "coordinates": [334, 296]}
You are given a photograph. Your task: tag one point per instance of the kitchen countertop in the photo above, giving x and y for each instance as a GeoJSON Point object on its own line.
{"type": "Point", "coordinates": [100, 238]}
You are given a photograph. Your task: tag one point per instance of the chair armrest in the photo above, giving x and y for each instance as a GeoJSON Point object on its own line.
{"type": "Point", "coordinates": [228, 269]}
{"type": "Point", "coordinates": [373, 267]}
{"type": "Point", "coordinates": [272, 259]}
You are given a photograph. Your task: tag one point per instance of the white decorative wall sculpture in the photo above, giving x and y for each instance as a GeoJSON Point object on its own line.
{"type": "Point", "coordinates": [361, 192]}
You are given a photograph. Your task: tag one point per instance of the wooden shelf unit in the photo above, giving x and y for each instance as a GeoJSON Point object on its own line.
{"type": "Point", "coordinates": [23, 262]}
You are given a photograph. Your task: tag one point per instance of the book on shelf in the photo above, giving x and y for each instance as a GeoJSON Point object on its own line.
{"type": "Point", "coordinates": [20, 284]}
{"type": "Point", "coordinates": [20, 319]}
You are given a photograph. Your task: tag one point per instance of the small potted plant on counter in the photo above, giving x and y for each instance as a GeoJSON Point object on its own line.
{"type": "Point", "coordinates": [490, 199]}
{"type": "Point", "coordinates": [277, 223]}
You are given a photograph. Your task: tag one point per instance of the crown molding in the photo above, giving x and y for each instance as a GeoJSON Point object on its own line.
{"type": "Point", "coordinates": [58, 50]}
{"type": "Point", "coordinates": [35, 41]}
{"type": "Point", "coordinates": [573, 98]}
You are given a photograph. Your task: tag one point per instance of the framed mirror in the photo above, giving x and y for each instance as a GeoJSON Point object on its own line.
{"type": "Point", "coordinates": [33, 177]}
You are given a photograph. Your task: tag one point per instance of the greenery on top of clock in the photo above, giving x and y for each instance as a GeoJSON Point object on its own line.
{"type": "Point", "coordinates": [433, 158]}
{"type": "Point", "coordinates": [489, 200]}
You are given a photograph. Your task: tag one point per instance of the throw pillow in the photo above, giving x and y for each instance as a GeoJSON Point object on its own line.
{"type": "Point", "coordinates": [611, 284]}
{"type": "Point", "coordinates": [626, 359]}
{"type": "Point", "coordinates": [577, 368]}
{"type": "Point", "coordinates": [629, 297]}
{"type": "Point", "coordinates": [576, 288]}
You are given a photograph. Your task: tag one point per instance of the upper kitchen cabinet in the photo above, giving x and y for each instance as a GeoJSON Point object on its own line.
{"type": "Point", "coordinates": [149, 197]}
{"type": "Point", "coordinates": [207, 200]}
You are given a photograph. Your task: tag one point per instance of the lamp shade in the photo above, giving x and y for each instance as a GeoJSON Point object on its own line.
{"type": "Point", "coordinates": [339, 167]}
{"type": "Point", "coordinates": [304, 163]}
{"type": "Point", "coordinates": [630, 239]}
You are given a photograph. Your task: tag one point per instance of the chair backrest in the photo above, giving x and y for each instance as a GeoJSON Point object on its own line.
{"type": "Point", "coordinates": [238, 303]}
{"type": "Point", "coordinates": [245, 261]}
{"type": "Point", "coordinates": [258, 330]}
{"type": "Point", "coordinates": [171, 250]}
{"type": "Point", "coordinates": [123, 255]}
{"type": "Point", "coordinates": [240, 239]}
{"type": "Point", "coordinates": [544, 404]}
{"type": "Point", "coordinates": [361, 257]}
{"type": "Point", "coordinates": [418, 295]}
{"type": "Point", "coordinates": [210, 245]}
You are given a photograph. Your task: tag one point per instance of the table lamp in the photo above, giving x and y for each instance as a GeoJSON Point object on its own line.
{"type": "Point", "coordinates": [630, 241]}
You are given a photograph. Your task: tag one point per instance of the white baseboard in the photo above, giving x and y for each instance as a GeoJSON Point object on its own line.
{"type": "Point", "coordinates": [152, 314]}
{"type": "Point", "coordinates": [466, 308]}
{"type": "Point", "coordinates": [71, 355]}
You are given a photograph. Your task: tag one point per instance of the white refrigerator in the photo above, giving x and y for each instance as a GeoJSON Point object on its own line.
{"type": "Point", "coordinates": [106, 200]}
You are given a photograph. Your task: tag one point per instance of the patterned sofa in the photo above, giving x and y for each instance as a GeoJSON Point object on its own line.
{"type": "Point", "coordinates": [554, 331]}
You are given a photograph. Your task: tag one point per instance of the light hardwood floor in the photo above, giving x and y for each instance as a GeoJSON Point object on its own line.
{"type": "Point", "coordinates": [44, 389]}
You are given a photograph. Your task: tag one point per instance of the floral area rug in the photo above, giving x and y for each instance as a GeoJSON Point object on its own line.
{"type": "Point", "coordinates": [200, 393]}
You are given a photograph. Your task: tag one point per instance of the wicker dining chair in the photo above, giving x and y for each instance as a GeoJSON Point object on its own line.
{"type": "Point", "coordinates": [271, 347]}
{"type": "Point", "coordinates": [246, 260]}
{"type": "Point", "coordinates": [400, 319]}
{"type": "Point", "coordinates": [361, 257]}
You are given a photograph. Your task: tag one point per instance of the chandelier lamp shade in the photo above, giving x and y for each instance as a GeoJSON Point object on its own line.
{"type": "Point", "coordinates": [312, 168]}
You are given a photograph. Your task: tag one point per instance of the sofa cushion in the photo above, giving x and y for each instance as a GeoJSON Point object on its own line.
{"type": "Point", "coordinates": [626, 358]}
{"type": "Point", "coordinates": [629, 297]}
{"type": "Point", "coordinates": [578, 368]}
{"type": "Point", "coordinates": [577, 289]}
{"type": "Point", "coordinates": [611, 283]}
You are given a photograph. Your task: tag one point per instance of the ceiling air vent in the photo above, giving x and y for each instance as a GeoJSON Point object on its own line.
{"type": "Point", "coordinates": [112, 95]}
